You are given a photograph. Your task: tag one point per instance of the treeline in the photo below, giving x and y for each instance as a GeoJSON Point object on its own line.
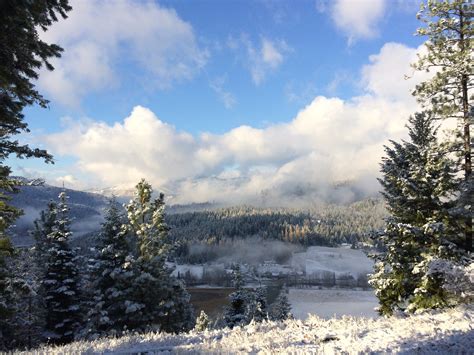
{"type": "Point", "coordinates": [328, 225]}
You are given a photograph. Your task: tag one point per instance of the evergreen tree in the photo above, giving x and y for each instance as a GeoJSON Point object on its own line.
{"type": "Point", "coordinates": [61, 280]}
{"type": "Point", "coordinates": [21, 307]}
{"type": "Point", "coordinates": [112, 276]}
{"type": "Point", "coordinates": [27, 320]}
{"type": "Point", "coordinates": [202, 322]}
{"type": "Point", "coordinates": [257, 309]}
{"type": "Point", "coordinates": [22, 54]}
{"type": "Point", "coordinates": [43, 228]}
{"type": "Point", "coordinates": [448, 94]}
{"type": "Point", "coordinates": [236, 313]}
{"type": "Point", "coordinates": [418, 178]}
{"type": "Point", "coordinates": [158, 300]}
{"type": "Point", "coordinates": [419, 183]}
{"type": "Point", "coordinates": [6, 296]}
{"type": "Point", "coordinates": [8, 214]}
{"type": "Point", "coordinates": [281, 309]}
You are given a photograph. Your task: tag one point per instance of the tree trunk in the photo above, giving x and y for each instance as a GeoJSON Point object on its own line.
{"type": "Point", "coordinates": [467, 140]}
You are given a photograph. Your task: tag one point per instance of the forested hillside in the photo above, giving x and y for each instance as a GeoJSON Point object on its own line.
{"type": "Point", "coordinates": [86, 210]}
{"type": "Point", "coordinates": [325, 225]}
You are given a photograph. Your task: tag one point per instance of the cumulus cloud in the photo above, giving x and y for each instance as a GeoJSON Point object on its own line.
{"type": "Point", "coordinates": [144, 33]}
{"type": "Point", "coordinates": [356, 19]}
{"type": "Point", "coordinates": [260, 59]}
{"type": "Point", "coordinates": [330, 150]}
{"type": "Point", "coordinates": [389, 73]}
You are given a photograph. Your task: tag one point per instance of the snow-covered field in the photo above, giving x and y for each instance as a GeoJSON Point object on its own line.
{"type": "Point", "coordinates": [447, 332]}
{"type": "Point", "coordinates": [337, 260]}
{"type": "Point", "coordinates": [328, 303]}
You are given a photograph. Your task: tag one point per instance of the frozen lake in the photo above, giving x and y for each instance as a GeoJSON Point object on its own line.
{"type": "Point", "coordinates": [327, 303]}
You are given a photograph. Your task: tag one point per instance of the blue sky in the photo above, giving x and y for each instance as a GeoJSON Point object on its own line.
{"type": "Point", "coordinates": [215, 86]}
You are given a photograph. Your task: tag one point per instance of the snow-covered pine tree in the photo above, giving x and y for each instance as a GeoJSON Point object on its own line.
{"type": "Point", "coordinates": [257, 309]}
{"type": "Point", "coordinates": [418, 185]}
{"type": "Point", "coordinates": [157, 300]}
{"type": "Point", "coordinates": [42, 228]}
{"type": "Point", "coordinates": [112, 276]}
{"type": "Point", "coordinates": [448, 94]}
{"type": "Point", "coordinates": [8, 214]}
{"type": "Point", "coordinates": [61, 280]}
{"type": "Point", "coordinates": [202, 322]}
{"type": "Point", "coordinates": [6, 296]}
{"type": "Point", "coordinates": [281, 308]}
{"type": "Point", "coordinates": [236, 313]}
{"type": "Point", "coordinates": [28, 316]}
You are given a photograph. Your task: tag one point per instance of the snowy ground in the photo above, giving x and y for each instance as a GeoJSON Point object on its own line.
{"type": "Point", "coordinates": [328, 303]}
{"type": "Point", "coordinates": [448, 332]}
{"type": "Point", "coordinates": [337, 260]}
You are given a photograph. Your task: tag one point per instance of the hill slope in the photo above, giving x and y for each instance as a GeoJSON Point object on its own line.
{"type": "Point", "coordinates": [445, 332]}
{"type": "Point", "coordinates": [85, 210]}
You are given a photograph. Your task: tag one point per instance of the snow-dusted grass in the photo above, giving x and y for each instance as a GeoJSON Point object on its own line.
{"type": "Point", "coordinates": [327, 303]}
{"type": "Point", "coordinates": [446, 332]}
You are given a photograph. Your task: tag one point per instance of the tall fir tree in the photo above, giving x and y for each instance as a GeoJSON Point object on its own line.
{"type": "Point", "coordinates": [22, 54]}
{"type": "Point", "coordinates": [6, 296]}
{"type": "Point", "coordinates": [43, 227]}
{"type": "Point", "coordinates": [158, 300]}
{"type": "Point", "coordinates": [448, 94]}
{"type": "Point", "coordinates": [61, 280]}
{"type": "Point", "coordinates": [28, 317]}
{"type": "Point", "coordinates": [419, 184]}
{"type": "Point", "coordinates": [112, 276]}
{"type": "Point", "coordinates": [8, 214]}
{"type": "Point", "coordinates": [430, 208]}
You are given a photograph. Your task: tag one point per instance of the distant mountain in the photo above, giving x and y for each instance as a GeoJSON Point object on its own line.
{"type": "Point", "coordinates": [120, 192]}
{"type": "Point", "coordinates": [125, 192]}
{"type": "Point", "coordinates": [85, 210]}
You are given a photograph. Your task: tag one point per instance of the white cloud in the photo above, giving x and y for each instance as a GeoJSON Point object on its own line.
{"type": "Point", "coordinates": [100, 35]}
{"type": "Point", "coordinates": [358, 19]}
{"type": "Point", "coordinates": [260, 59]}
{"type": "Point", "coordinates": [385, 74]}
{"type": "Point", "coordinates": [329, 142]}
{"type": "Point", "coordinates": [270, 54]}
{"type": "Point", "coordinates": [218, 86]}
